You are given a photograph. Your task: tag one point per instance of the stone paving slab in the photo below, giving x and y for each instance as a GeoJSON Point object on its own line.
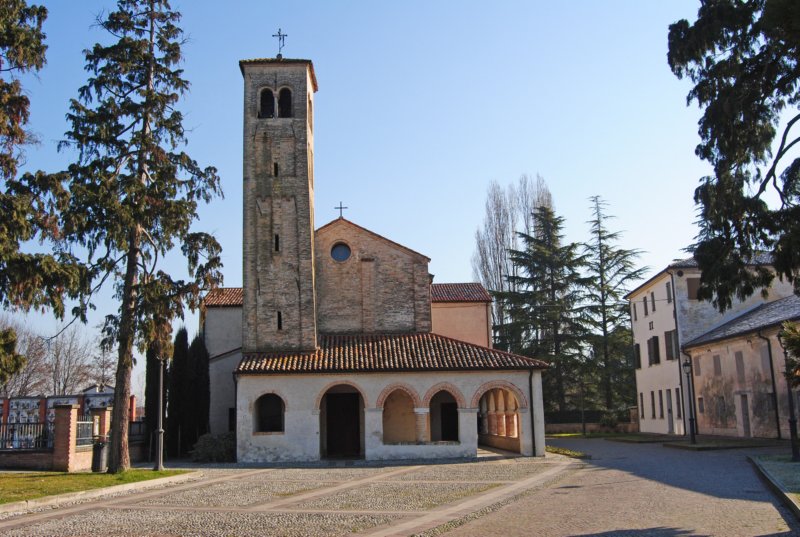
{"type": "Point", "coordinates": [237, 493]}
{"type": "Point", "coordinates": [397, 496]}
{"type": "Point", "coordinates": [491, 472]}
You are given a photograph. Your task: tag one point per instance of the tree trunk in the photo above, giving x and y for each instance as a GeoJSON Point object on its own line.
{"type": "Point", "coordinates": [119, 458]}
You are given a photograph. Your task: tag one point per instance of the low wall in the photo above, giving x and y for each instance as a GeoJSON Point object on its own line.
{"type": "Point", "coordinates": [18, 459]}
{"type": "Point", "coordinates": [83, 459]}
{"type": "Point", "coordinates": [506, 443]}
{"type": "Point", "coordinates": [552, 428]}
{"type": "Point", "coordinates": [137, 451]}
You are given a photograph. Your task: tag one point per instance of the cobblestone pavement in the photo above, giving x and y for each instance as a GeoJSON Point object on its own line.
{"type": "Point", "coordinates": [625, 490]}
{"type": "Point", "coordinates": [387, 500]}
{"type": "Point", "coordinates": [645, 489]}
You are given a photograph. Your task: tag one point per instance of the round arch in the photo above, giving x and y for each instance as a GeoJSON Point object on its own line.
{"type": "Point", "coordinates": [522, 401]}
{"type": "Point", "coordinates": [330, 385]}
{"type": "Point", "coordinates": [387, 391]}
{"type": "Point", "coordinates": [270, 392]}
{"type": "Point", "coordinates": [449, 388]}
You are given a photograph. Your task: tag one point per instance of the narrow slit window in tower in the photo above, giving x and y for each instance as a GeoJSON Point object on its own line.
{"type": "Point", "coordinates": [280, 321]}
{"type": "Point", "coordinates": [277, 243]}
{"type": "Point", "coordinates": [275, 169]}
{"type": "Point", "coordinates": [267, 108]}
{"type": "Point", "coordinates": [285, 103]}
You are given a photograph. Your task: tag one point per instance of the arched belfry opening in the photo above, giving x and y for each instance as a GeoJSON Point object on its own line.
{"type": "Point", "coordinates": [266, 107]}
{"type": "Point", "coordinates": [285, 103]}
{"type": "Point", "coordinates": [341, 423]}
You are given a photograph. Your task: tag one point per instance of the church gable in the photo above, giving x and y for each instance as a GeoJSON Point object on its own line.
{"type": "Point", "coordinates": [368, 284]}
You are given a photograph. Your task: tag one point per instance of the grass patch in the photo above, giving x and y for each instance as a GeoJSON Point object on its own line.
{"type": "Point", "coordinates": [567, 452]}
{"type": "Point", "coordinates": [783, 469]}
{"type": "Point", "coordinates": [16, 487]}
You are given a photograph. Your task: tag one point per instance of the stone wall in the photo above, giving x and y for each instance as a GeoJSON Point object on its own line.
{"type": "Point", "coordinates": [381, 287]}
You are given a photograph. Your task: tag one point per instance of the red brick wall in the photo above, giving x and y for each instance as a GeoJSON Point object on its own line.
{"type": "Point", "coordinates": [26, 460]}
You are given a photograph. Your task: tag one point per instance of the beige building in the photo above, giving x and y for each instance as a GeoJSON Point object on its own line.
{"type": "Point", "coordinates": [339, 345]}
{"type": "Point", "coordinates": [666, 318]}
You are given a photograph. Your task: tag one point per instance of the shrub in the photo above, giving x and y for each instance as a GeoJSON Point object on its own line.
{"type": "Point", "coordinates": [609, 419]}
{"type": "Point", "coordinates": [215, 448]}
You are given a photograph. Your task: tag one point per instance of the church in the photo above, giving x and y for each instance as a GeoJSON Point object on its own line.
{"type": "Point", "coordinates": [339, 344]}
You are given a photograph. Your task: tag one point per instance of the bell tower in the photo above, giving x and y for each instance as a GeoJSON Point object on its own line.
{"type": "Point", "coordinates": [279, 313]}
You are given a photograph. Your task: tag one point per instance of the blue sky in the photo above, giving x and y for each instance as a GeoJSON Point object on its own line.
{"type": "Point", "coordinates": [421, 104]}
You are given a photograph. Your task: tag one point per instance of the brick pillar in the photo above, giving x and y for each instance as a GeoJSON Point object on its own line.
{"type": "Point", "coordinates": [65, 433]}
{"type": "Point", "coordinates": [500, 420]}
{"type": "Point", "coordinates": [103, 417]}
{"type": "Point", "coordinates": [511, 424]}
{"type": "Point", "coordinates": [421, 424]}
{"type": "Point", "coordinates": [6, 408]}
{"type": "Point", "coordinates": [43, 410]}
{"type": "Point", "coordinates": [492, 422]}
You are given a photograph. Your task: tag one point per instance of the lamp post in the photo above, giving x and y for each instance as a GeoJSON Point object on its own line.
{"type": "Point", "coordinates": [160, 420]}
{"type": "Point", "coordinates": [687, 368]}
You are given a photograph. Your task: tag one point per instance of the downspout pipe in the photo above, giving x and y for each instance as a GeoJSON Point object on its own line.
{"type": "Point", "coordinates": [530, 410]}
{"type": "Point", "coordinates": [684, 396]}
{"type": "Point", "coordinates": [774, 385]}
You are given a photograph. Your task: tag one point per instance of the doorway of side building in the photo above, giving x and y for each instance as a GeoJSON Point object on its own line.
{"type": "Point", "coordinates": [341, 419]}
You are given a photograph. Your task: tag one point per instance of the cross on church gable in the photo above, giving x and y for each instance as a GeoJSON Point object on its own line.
{"type": "Point", "coordinates": [341, 208]}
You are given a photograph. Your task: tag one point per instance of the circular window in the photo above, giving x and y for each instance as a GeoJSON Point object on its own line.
{"type": "Point", "coordinates": [340, 252]}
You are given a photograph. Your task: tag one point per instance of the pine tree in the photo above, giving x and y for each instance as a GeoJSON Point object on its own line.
{"type": "Point", "coordinates": [133, 190]}
{"type": "Point", "coordinates": [547, 302]}
{"type": "Point", "coordinates": [611, 270]}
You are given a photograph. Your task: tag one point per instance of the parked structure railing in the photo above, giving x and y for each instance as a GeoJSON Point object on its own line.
{"type": "Point", "coordinates": [31, 435]}
{"type": "Point", "coordinates": [85, 433]}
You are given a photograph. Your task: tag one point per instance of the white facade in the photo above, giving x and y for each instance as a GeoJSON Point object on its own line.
{"type": "Point", "coordinates": [304, 437]}
{"type": "Point", "coordinates": [663, 304]}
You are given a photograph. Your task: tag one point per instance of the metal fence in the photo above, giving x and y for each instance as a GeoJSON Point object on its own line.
{"type": "Point", "coordinates": [85, 434]}
{"type": "Point", "coordinates": [33, 435]}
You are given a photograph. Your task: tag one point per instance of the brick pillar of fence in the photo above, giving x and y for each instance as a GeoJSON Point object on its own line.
{"type": "Point", "coordinates": [65, 435]}
{"type": "Point", "coordinates": [6, 408]}
{"type": "Point", "coordinates": [103, 415]}
{"type": "Point", "coordinates": [132, 408]}
{"type": "Point", "coordinates": [43, 410]}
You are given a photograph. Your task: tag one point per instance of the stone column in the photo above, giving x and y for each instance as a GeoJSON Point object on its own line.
{"type": "Point", "coordinates": [421, 425]}
{"type": "Point", "coordinates": [511, 424]}
{"type": "Point", "coordinates": [102, 416]}
{"type": "Point", "coordinates": [65, 435]}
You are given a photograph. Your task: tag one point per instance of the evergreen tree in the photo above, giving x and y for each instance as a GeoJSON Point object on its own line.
{"type": "Point", "coordinates": [742, 57]}
{"type": "Point", "coordinates": [179, 402]}
{"type": "Point", "coordinates": [547, 302]}
{"type": "Point", "coordinates": [27, 203]}
{"type": "Point", "coordinates": [611, 270]}
{"type": "Point", "coordinates": [200, 388]}
{"type": "Point", "coordinates": [133, 191]}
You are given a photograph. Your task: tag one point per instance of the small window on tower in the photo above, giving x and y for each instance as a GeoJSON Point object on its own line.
{"type": "Point", "coordinates": [280, 321]}
{"type": "Point", "coordinates": [277, 243]}
{"type": "Point", "coordinates": [285, 103]}
{"type": "Point", "coordinates": [267, 108]}
{"type": "Point", "coordinates": [275, 169]}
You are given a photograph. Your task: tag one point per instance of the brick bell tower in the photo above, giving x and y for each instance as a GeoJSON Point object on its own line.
{"type": "Point", "coordinates": [279, 312]}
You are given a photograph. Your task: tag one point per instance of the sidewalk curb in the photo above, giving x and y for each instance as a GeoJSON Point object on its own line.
{"type": "Point", "coordinates": [58, 499]}
{"type": "Point", "coordinates": [777, 488]}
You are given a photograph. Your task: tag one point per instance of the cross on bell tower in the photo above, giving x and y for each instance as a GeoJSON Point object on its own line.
{"type": "Point", "coordinates": [281, 41]}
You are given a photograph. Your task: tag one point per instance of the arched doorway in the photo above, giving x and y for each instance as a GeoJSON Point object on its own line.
{"type": "Point", "coordinates": [399, 421]}
{"type": "Point", "coordinates": [498, 420]}
{"type": "Point", "coordinates": [341, 423]}
{"type": "Point", "coordinates": [444, 417]}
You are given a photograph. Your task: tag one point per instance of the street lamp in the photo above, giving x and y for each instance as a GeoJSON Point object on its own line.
{"type": "Point", "coordinates": [687, 368]}
{"type": "Point", "coordinates": [160, 420]}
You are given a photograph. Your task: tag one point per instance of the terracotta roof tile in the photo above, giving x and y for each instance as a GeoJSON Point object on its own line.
{"type": "Point", "coordinates": [372, 353]}
{"type": "Point", "coordinates": [224, 296]}
{"type": "Point", "coordinates": [459, 292]}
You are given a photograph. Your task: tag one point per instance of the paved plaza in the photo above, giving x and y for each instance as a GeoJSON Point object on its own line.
{"type": "Point", "coordinates": [626, 489]}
